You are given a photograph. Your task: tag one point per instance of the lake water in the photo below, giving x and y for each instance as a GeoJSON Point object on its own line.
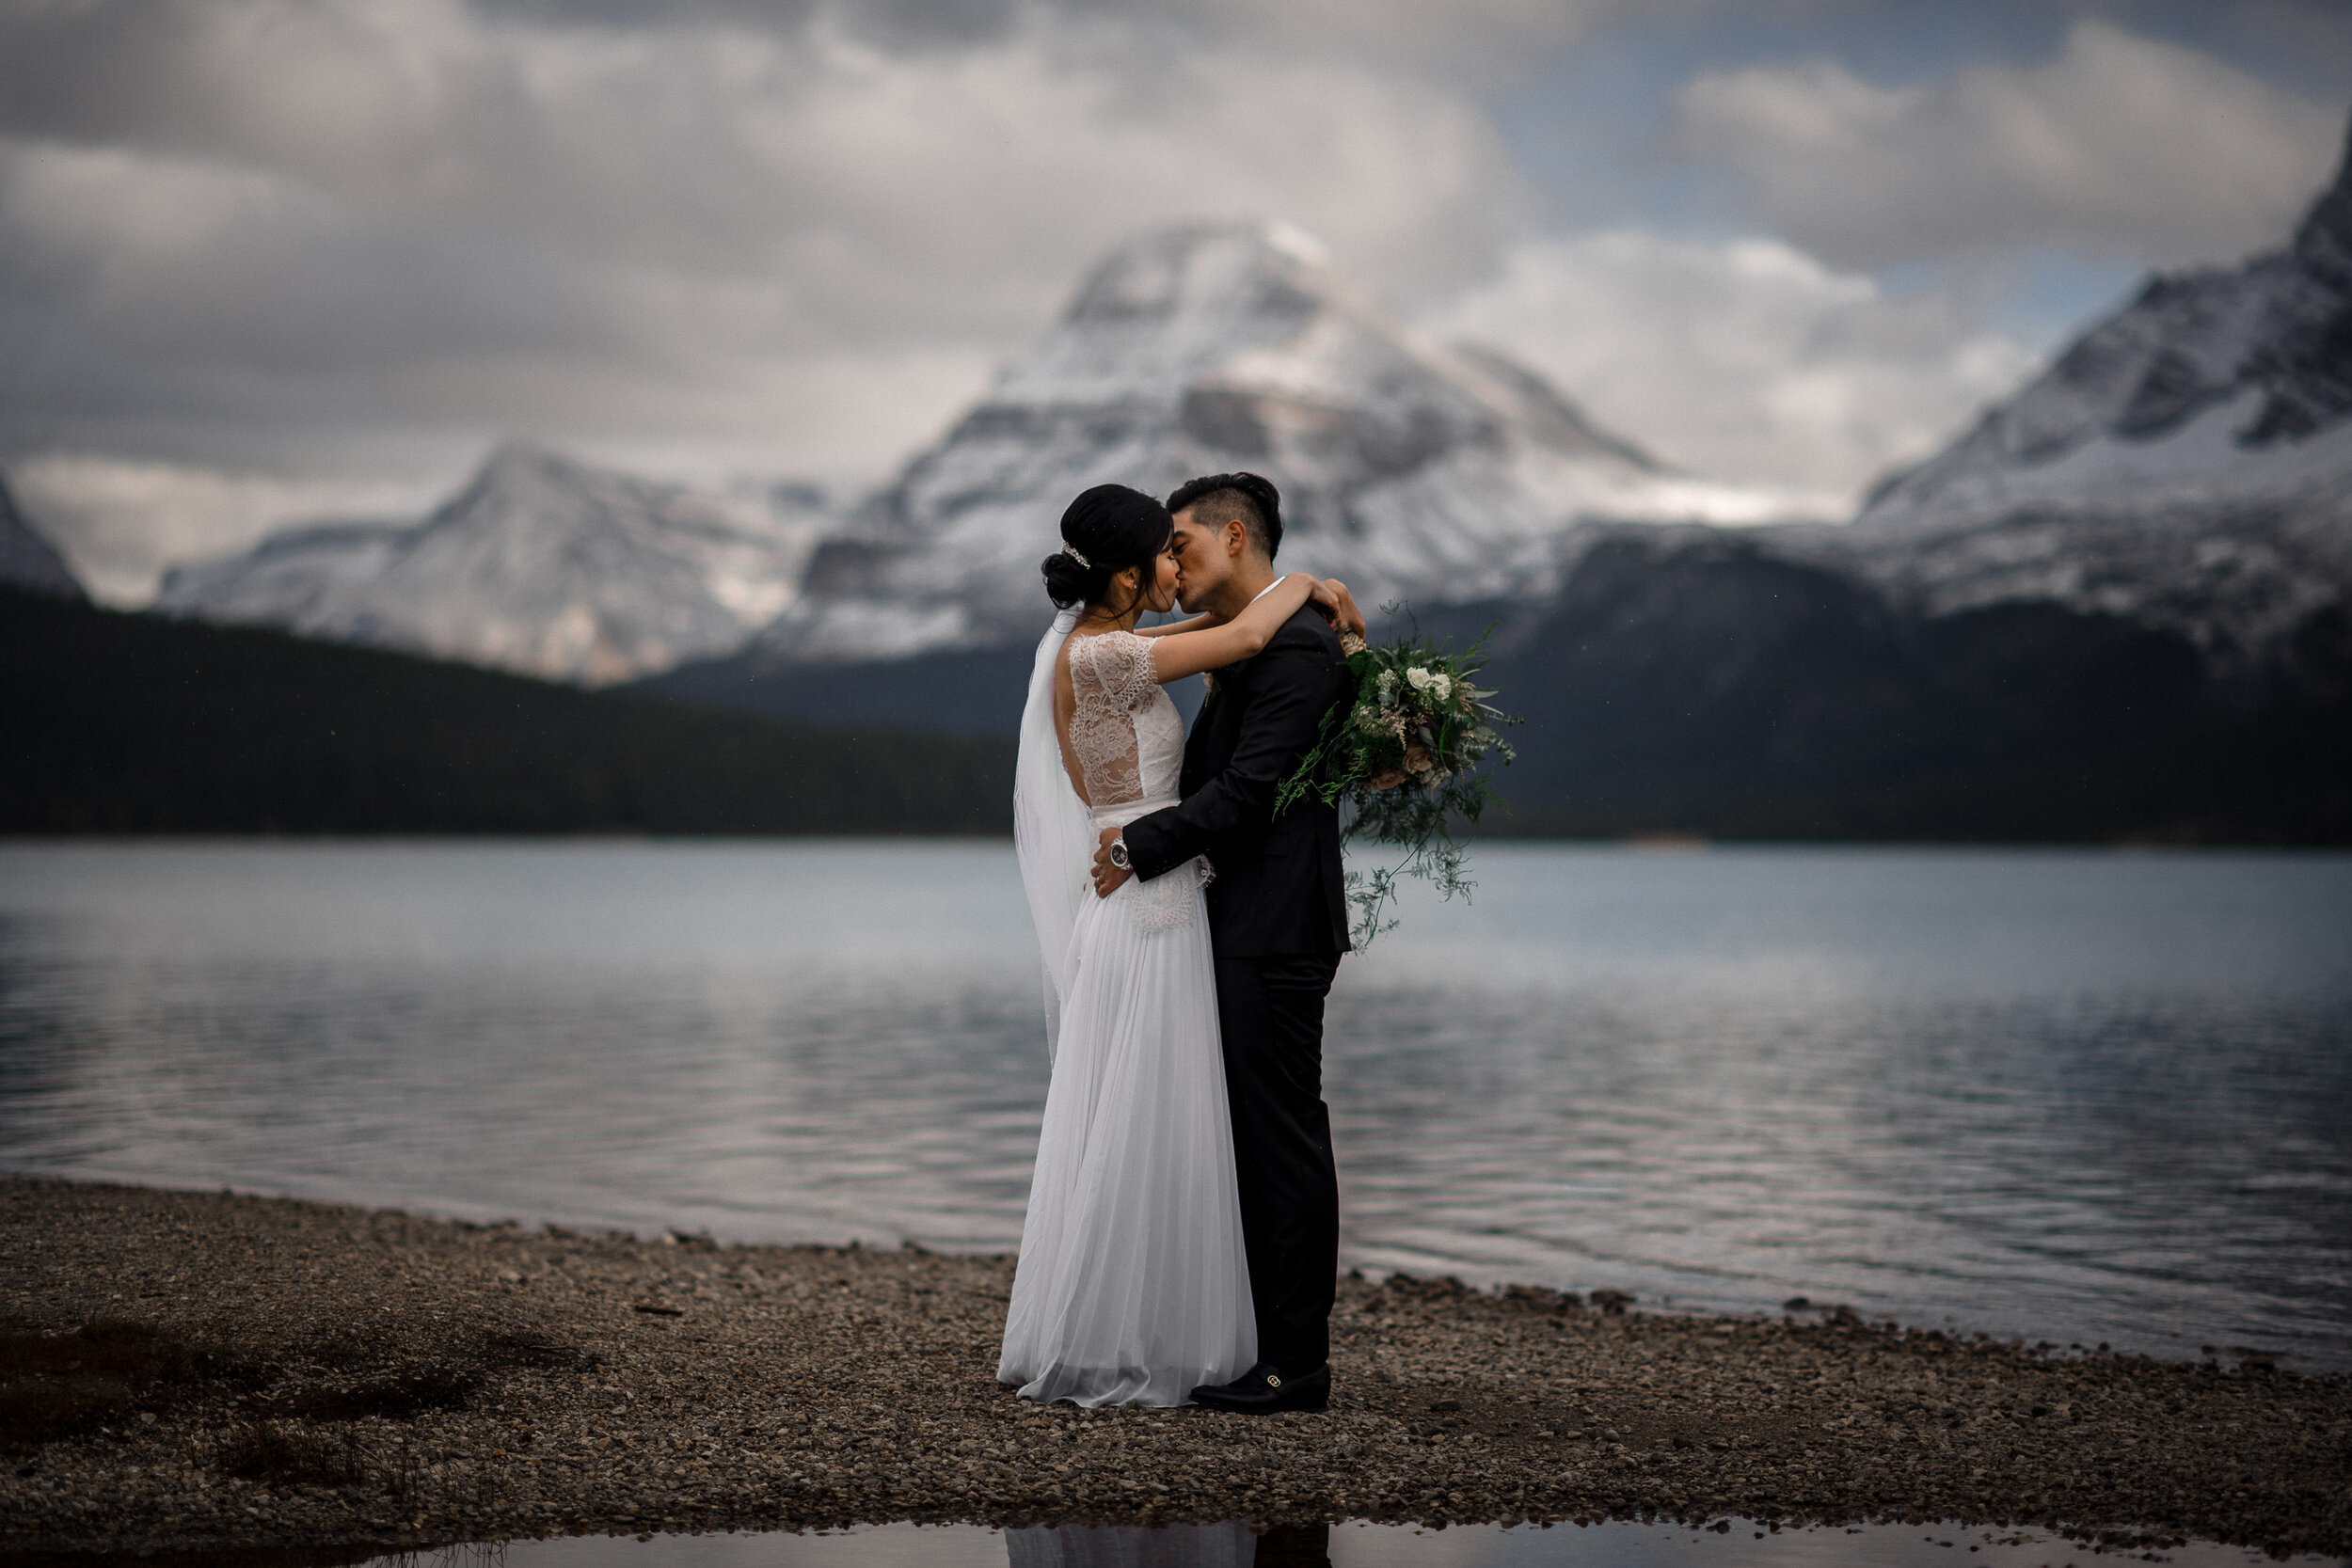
{"type": "Point", "coordinates": [2074, 1095]}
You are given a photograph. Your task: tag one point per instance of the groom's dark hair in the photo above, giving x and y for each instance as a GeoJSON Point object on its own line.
{"type": "Point", "coordinates": [1221, 498]}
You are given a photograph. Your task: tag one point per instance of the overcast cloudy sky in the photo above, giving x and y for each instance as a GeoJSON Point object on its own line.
{"type": "Point", "coordinates": [262, 260]}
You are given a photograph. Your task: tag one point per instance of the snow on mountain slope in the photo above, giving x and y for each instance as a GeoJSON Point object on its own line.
{"type": "Point", "coordinates": [29, 560]}
{"type": "Point", "coordinates": [2186, 462]}
{"type": "Point", "coordinates": [541, 566]}
{"type": "Point", "coordinates": [1409, 468]}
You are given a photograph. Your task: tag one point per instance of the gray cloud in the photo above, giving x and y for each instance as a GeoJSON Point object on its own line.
{"type": "Point", "coordinates": [2119, 145]}
{"type": "Point", "coordinates": [319, 247]}
{"type": "Point", "coordinates": [897, 24]}
{"type": "Point", "coordinates": [1745, 360]}
{"type": "Point", "coordinates": [265, 208]}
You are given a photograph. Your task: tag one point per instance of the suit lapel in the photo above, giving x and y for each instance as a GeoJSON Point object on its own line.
{"type": "Point", "coordinates": [1211, 744]}
{"type": "Point", "coordinates": [1206, 746]}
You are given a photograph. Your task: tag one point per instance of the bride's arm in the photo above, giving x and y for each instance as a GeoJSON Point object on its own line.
{"type": "Point", "coordinates": [1196, 623]}
{"type": "Point", "coordinates": [1215, 647]}
{"type": "Point", "coordinates": [1330, 597]}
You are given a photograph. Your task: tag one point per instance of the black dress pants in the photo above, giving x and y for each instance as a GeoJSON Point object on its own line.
{"type": "Point", "coordinates": [1271, 1012]}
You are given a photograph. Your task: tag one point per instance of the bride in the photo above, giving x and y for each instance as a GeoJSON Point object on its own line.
{"type": "Point", "coordinates": [1132, 1285]}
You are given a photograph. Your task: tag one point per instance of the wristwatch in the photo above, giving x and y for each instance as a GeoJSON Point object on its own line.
{"type": "Point", "coordinates": [1118, 853]}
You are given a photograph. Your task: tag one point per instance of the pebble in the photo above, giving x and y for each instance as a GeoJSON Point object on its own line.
{"type": "Point", "coordinates": [187, 1370]}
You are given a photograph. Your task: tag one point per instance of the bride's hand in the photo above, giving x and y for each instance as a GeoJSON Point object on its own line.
{"type": "Point", "coordinates": [1337, 605]}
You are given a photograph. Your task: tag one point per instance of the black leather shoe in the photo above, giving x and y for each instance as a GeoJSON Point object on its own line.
{"type": "Point", "coordinates": [1262, 1390]}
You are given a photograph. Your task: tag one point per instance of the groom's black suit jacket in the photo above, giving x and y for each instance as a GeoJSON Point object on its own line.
{"type": "Point", "coordinates": [1278, 886]}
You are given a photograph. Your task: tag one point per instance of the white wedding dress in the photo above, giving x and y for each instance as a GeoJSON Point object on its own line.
{"type": "Point", "coordinates": [1132, 1285]}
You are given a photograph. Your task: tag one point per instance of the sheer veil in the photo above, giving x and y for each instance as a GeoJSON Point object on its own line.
{"type": "Point", "coordinates": [1053, 831]}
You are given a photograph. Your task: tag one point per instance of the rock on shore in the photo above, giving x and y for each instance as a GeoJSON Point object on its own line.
{"type": "Point", "coordinates": [190, 1370]}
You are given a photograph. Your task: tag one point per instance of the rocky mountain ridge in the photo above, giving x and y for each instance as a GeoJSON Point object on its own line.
{"type": "Point", "coordinates": [2186, 464]}
{"type": "Point", "coordinates": [27, 559]}
{"type": "Point", "coordinates": [2120, 604]}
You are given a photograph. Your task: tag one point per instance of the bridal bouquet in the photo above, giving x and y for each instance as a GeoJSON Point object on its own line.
{"type": "Point", "coordinates": [1400, 756]}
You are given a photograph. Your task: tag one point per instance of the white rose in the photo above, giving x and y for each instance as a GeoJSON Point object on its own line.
{"type": "Point", "coordinates": [1418, 679]}
{"type": "Point", "coordinates": [1441, 687]}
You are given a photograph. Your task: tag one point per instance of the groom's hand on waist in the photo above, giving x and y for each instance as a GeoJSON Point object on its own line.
{"type": "Point", "coordinates": [1106, 875]}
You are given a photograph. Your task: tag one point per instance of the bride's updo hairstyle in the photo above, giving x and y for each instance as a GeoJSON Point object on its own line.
{"type": "Point", "coordinates": [1106, 529]}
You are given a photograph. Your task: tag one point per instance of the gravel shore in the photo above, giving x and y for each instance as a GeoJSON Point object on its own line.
{"type": "Point", "coordinates": [186, 1370]}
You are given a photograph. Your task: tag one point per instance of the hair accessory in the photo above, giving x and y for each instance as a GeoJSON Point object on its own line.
{"type": "Point", "coordinates": [1076, 557]}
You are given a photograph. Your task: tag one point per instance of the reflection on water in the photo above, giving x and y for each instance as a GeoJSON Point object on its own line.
{"type": "Point", "coordinates": [1349, 1544]}
{"type": "Point", "coordinates": [1225, 1544]}
{"type": "Point", "coordinates": [2079, 1097]}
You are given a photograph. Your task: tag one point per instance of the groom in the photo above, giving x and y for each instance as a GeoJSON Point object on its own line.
{"type": "Point", "coordinates": [1278, 923]}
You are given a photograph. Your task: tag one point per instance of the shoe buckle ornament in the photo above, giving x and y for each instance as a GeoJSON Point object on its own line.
{"type": "Point", "coordinates": [1273, 1380]}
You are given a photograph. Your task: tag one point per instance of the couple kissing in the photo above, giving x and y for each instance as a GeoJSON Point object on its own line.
{"type": "Point", "coordinates": [1183, 1231]}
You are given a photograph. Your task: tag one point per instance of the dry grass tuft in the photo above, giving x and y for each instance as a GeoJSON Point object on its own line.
{"type": "Point", "coordinates": [283, 1456]}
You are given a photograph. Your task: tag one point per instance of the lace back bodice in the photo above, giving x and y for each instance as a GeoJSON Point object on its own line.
{"type": "Point", "coordinates": [1127, 736]}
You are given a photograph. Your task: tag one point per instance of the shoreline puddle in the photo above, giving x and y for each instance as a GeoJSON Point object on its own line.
{"type": "Point", "coordinates": [1349, 1544]}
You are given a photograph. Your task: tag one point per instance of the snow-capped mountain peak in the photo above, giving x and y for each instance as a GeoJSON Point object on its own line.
{"type": "Point", "coordinates": [2186, 463]}
{"type": "Point", "coordinates": [541, 564]}
{"type": "Point", "coordinates": [2196, 385]}
{"type": "Point", "coordinates": [1175, 305]}
{"type": "Point", "coordinates": [1406, 467]}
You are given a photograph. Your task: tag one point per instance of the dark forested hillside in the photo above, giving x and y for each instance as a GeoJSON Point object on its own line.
{"type": "Point", "coordinates": [1702, 681]}
{"type": "Point", "coordinates": [1679, 684]}
{"type": "Point", "coordinates": [135, 723]}
{"type": "Point", "coordinates": [968, 691]}
{"type": "Point", "coordinates": [1712, 687]}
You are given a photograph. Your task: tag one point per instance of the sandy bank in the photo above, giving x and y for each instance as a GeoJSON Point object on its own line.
{"type": "Point", "coordinates": [194, 1370]}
